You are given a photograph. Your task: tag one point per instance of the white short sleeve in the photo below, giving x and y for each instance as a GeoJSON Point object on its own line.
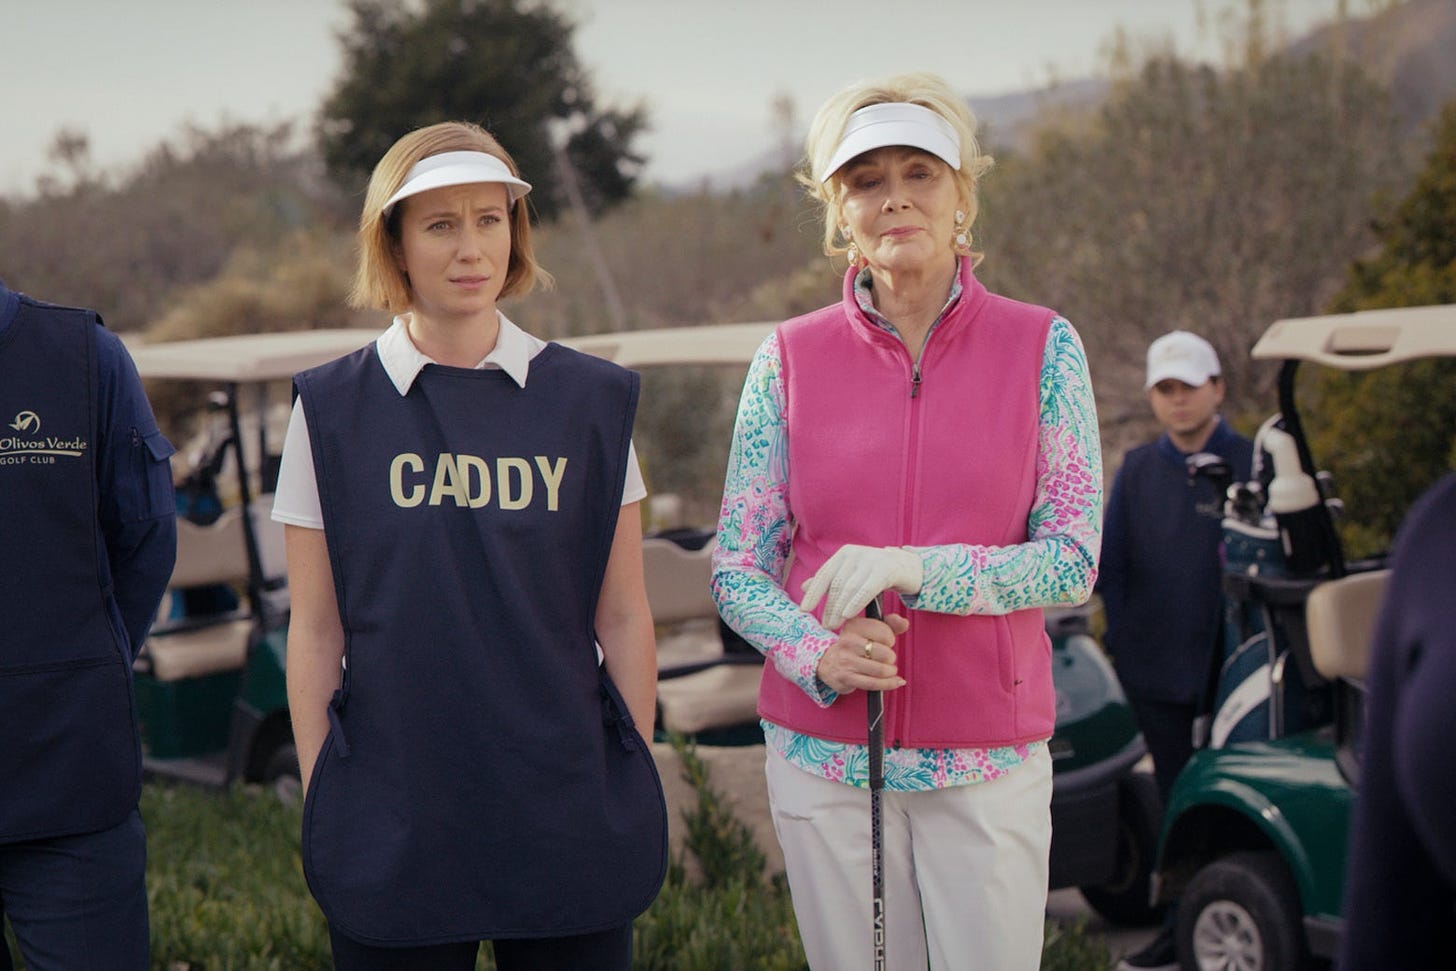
{"type": "Point", "coordinates": [296, 499]}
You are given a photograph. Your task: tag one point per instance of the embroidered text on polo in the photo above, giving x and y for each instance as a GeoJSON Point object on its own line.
{"type": "Point", "coordinates": [467, 480]}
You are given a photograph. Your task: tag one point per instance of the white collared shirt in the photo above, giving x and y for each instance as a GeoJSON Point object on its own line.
{"type": "Point", "coordinates": [296, 499]}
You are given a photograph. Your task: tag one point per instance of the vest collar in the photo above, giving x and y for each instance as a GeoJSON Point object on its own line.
{"type": "Point", "coordinates": [967, 297]}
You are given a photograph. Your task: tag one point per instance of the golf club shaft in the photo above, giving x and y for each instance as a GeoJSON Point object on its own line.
{"type": "Point", "coordinates": [875, 707]}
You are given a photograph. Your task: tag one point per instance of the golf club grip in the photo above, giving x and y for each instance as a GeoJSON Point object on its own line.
{"type": "Point", "coordinates": [875, 709]}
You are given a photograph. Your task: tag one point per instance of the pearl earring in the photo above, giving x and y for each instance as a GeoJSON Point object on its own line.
{"type": "Point", "coordinates": [962, 238]}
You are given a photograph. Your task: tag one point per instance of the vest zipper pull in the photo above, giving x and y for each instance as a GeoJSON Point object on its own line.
{"type": "Point", "coordinates": [915, 381]}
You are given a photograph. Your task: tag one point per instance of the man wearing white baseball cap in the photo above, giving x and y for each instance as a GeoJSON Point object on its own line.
{"type": "Point", "coordinates": [1160, 567]}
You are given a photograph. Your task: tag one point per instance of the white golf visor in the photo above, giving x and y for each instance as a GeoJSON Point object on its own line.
{"type": "Point", "coordinates": [457, 168]}
{"type": "Point", "coordinates": [895, 123]}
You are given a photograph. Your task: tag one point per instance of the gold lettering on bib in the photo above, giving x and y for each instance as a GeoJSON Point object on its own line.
{"type": "Point", "coordinates": [474, 466]}
{"type": "Point", "coordinates": [416, 495]}
{"type": "Point", "coordinates": [503, 469]}
{"type": "Point", "coordinates": [447, 481]}
{"type": "Point", "coordinates": [551, 475]}
{"type": "Point", "coordinates": [466, 480]}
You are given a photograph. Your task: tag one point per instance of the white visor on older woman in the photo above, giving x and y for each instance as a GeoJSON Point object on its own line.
{"type": "Point", "coordinates": [457, 168]}
{"type": "Point", "coordinates": [895, 123]}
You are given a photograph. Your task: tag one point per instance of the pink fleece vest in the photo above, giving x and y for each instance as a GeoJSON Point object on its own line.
{"type": "Point", "coordinates": [877, 461]}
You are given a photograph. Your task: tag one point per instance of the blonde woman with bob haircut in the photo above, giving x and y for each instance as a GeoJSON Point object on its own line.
{"type": "Point", "coordinates": [470, 650]}
{"type": "Point", "coordinates": [934, 445]}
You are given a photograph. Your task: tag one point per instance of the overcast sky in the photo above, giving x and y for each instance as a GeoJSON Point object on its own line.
{"type": "Point", "coordinates": [130, 73]}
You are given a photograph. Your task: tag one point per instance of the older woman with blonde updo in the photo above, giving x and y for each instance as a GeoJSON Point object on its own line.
{"type": "Point", "coordinates": [470, 649]}
{"type": "Point", "coordinates": [935, 445]}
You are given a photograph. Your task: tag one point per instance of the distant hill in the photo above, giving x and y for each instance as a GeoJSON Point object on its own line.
{"type": "Point", "coordinates": [1410, 47]}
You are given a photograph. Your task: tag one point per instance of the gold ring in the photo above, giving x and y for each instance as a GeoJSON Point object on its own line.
{"type": "Point", "coordinates": [869, 648]}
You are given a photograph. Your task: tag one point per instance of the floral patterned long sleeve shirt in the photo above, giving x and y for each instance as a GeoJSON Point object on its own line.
{"type": "Point", "coordinates": [1057, 564]}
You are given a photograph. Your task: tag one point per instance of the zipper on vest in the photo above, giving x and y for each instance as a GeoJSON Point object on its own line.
{"type": "Point", "coordinates": [896, 717]}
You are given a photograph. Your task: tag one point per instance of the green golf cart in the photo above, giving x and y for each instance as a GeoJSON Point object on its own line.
{"type": "Point", "coordinates": [209, 684]}
{"type": "Point", "coordinates": [1253, 842]}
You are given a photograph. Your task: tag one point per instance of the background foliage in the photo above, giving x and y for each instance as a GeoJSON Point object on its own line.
{"type": "Point", "coordinates": [1216, 202]}
{"type": "Point", "coordinates": [126, 246]}
{"type": "Point", "coordinates": [1212, 198]}
{"type": "Point", "coordinates": [1388, 434]}
{"type": "Point", "coordinates": [507, 65]}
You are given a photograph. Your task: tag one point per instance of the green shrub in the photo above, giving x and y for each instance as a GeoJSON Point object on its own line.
{"type": "Point", "coordinates": [1068, 947]}
{"type": "Point", "coordinates": [225, 882]}
{"type": "Point", "coordinates": [226, 890]}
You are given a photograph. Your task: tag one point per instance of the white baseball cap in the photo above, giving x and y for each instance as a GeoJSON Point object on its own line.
{"type": "Point", "coordinates": [895, 123]}
{"type": "Point", "coordinates": [1183, 357]}
{"type": "Point", "coordinates": [457, 168]}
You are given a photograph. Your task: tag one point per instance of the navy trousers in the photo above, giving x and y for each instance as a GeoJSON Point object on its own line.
{"type": "Point", "coordinates": [78, 903]}
{"type": "Point", "coordinates": [607, 951]}
{"type": "Point", "coordinates": [1167, 729]}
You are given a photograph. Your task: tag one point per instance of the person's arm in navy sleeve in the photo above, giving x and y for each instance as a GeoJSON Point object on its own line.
{"type": "Point", "coordinates": [1397, 904]}
{"type": "Point", "coordinates": [1112, 575]}
{"type": "Point", "coordinates": [134, 484]}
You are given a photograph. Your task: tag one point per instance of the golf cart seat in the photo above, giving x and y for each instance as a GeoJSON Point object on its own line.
{"type": "Point", "coordinates": [719, 697]}
{"type": "Point", "coordinates": [678, 580]}
{"type": "Point", "coordinates": [1340, 615]}
{"type": "Point", "coordinates": [715, 690]}
{"type": "Point", "coordinates": [213, 554]}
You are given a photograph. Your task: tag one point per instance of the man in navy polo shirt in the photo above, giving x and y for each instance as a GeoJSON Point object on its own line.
{"type": "Point", "coordinates": [87, 543]}
{"type": "Point", "coordinates": [1159, 574]}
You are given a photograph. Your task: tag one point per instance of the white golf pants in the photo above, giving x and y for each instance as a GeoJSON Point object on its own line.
{"type": "Point", "coordinates": [965, 869]}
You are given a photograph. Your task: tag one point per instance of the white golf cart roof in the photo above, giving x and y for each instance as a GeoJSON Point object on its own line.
{"type": "Point", "coordinates": [1364, 340]}
{"type": "Point", "coordinates": [247, 357]}
{"type": "Point", "coordinates": [278, 356]}
{"type": "Point", "coordinates": [705, 344]}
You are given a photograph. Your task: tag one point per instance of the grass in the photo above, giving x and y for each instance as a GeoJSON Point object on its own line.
{"type": "Point", "coordinates": [226, 889]}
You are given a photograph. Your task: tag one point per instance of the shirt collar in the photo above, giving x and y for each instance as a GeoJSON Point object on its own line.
{"type": "Point", "coordinates": [864, 286]}
{"type": "Point", "coordinates": [1217, 439]}
{"type": "Point", "coordinates": [403, 362]}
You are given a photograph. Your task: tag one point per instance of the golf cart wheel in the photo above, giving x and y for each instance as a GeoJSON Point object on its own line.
{"type": "Point", "coordinates": [1123, 900]}
{"type": "Point", "coordinates": [1241, 913]}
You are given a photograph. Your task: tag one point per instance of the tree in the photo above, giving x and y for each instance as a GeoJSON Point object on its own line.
{"type": "Point", "coordinates": [507, 65]}
{"type": "Point", "coordinates": [1212, 201]}
{"type": "Point", "coordinates": [1388, 434]}
{"type": "Point", "coordinates": [123, 244]}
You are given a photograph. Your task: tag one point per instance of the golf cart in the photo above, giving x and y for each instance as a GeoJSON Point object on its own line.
{"type": "Point", "coordinates": [1253, 842]}
{"type": "Point", "coordinates": [1104, 814]}
{"type": "Point", "coordinates": [210, 683]}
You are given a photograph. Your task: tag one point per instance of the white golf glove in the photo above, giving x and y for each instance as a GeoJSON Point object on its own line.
{"type": "Point", "coordinates": [856, 575]}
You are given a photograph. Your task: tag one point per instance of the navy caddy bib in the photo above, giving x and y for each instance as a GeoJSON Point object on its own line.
{"type": "Point", "coordinates": [481, 777]}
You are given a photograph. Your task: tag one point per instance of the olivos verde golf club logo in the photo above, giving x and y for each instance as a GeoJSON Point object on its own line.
{"type": "Point", "coordinates": [21, 442]}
